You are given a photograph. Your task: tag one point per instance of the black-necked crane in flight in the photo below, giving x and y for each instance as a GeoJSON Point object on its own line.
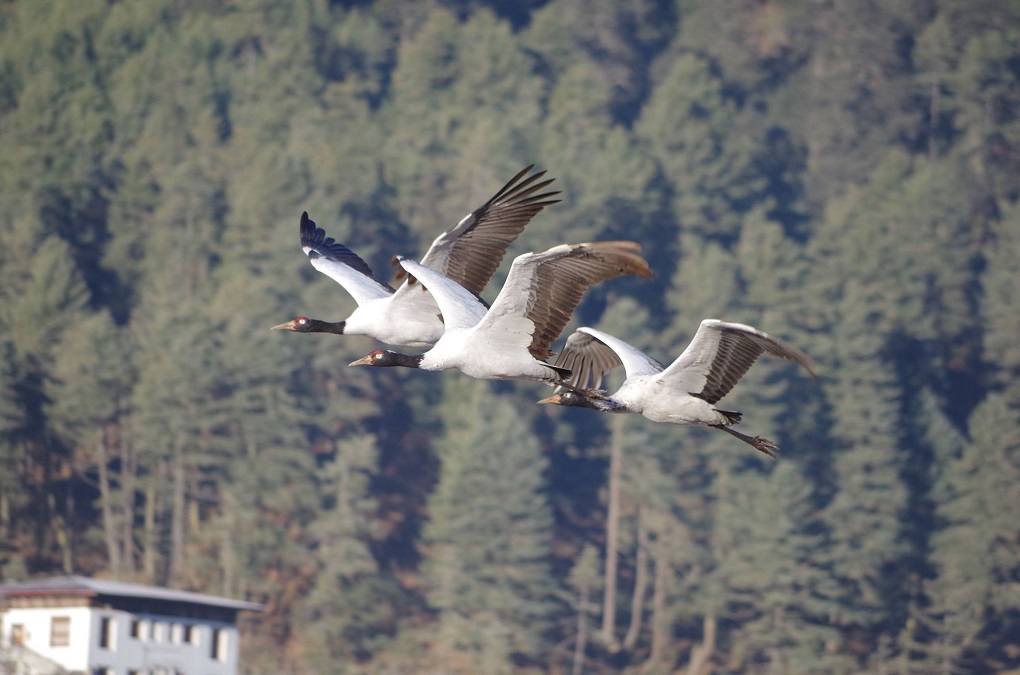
{"type": "Point", "coordinates": [683, 393]}
{"type": "Point", "coordinates": [468, 253]}
{"type": "Point", "coordinates": [511, 339]}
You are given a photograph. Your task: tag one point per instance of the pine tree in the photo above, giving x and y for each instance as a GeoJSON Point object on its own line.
{"type": "Point", "coordinates": [976, 553]}
{"type": "Point", "coordinates": [12, 489]}
{"type": "Point", "coordinates": [764, 541]}
{"type": "Point", "coordinates": [1000, 314]}
{"type": "Point", "coordinates": [686, 123]}
{"type": "Point", "coordinates": [90, 393]}
{"type": "Point", "coordinates": [346, 606]}
{"type": "Point", "coordinates": [928, 641]}
{"type": "Point", "coordinates": [584, 580]}
{"type": "Point", "coordinates": [487, 543]}
{"type": "Point", "coordinates": [41, 307]}
{"type": "Point", "coordinates": [618, 40]}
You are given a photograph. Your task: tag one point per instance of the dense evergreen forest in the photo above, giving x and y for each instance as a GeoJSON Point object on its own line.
{"type": "Point", "coordinates": [843, 175]}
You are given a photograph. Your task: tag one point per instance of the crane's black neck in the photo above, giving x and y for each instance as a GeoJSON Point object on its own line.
{"type": "Point", "coordinates": [318, 326]}
{"type": "Point", "coordinates": [601, 403]}
{"type": "Point", "coordinates": [403, 360]}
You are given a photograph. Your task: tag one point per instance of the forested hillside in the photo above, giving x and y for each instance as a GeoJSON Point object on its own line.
{"type": "Point", "coordinates": [844, 176]}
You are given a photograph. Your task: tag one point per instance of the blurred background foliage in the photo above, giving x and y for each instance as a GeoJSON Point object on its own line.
{"type": "Point", "coordinates": [843, 175]}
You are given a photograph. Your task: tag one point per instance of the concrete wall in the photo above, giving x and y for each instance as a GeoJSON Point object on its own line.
{"type": "Point", "coordinates": [171, 642]}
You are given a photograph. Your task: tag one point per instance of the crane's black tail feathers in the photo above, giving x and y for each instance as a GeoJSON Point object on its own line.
{"type": "Point", "coordinates": [732, 416]}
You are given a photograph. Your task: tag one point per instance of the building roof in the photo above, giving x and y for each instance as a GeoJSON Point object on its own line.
{"type": "Point", "coordinates": [84, 586]}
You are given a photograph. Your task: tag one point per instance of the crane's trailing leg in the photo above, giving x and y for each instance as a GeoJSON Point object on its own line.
{"type": "Point", "coordinates": [757, 442]}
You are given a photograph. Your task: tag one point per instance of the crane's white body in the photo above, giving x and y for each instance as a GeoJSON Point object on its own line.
{"type": "Point", "coordinates": [396, 324]}
{"type": "Point", "coordinates": [408, 317]}
{"type": "Point", "coordinates": [511, 339]}
{"type": "Point", "coordinates": [686, 391]}
{"type": "Point", "coordinates": [487, 343]}
{"type": "Point", "coordinates": [665, 395]}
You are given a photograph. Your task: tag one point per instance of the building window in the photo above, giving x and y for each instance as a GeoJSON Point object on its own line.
{"type": "Point", "coordinates": [218, 646]}
{"type": "Point", "coordinates": [108, 633]}
{"type": "Point", "coordinates": [60, 631]}
{"type": "Point", "coordinates": [136, 628]}
{"type": "Point", "coordinates": [189, 634]}
{"type": "Point", "coordinates": [17, 634]}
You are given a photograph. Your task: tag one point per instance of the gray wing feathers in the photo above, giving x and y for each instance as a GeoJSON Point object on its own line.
{"type": "Point", "coordinates": [470, 252]}
{"type": "Point", "coordinates": [588, 359]}
{"type": "Point", "coordinates": [635, 362]}
{"type": "Point", "coordinates": [560, 280]}
{"type": "Point", "coordinates": [721, 353]}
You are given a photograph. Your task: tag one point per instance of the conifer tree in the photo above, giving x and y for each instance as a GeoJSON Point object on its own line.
{"type": "Point", "coordinates": [686, 123]}
{"type": "Point", "coordinates": [41, 308]}
{"type": "Point", "coordinates": [487, 543]}
{"type": "Point", "coordinates": [999, 312]}
{"type": "Point", "coordinates": [347, 606]}
{"type": "Point", "coordinates": [584, 580]}
{"type": "Point", "coordinates": [764, 542]}
{"type": "Point", "coordinates": [92, 380]}
{"type": "Point", "coordinates": [976, 552]}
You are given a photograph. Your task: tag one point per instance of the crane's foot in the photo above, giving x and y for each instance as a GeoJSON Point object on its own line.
{"type": "Point", "coordinates": [760, 444]}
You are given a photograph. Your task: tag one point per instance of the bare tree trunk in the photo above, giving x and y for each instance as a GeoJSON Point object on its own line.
{"type": "Point", "coordinates": [61, 531]}
{"type": "Point", "coordinates": [660, 625]}
{"type": "Point", "coordinates": [581, 643]}
{"type": "Point", "coordinates": [175, 563]}
{"type": "Point", "coordinates": [69, 525]}
{"type": "Point", "coordinates": [228, 557]}
{"type": "Point", "coordinates": [703, 652]}
{"type": "Point", "coordinates": [106, 507]}
{"type": "Point", "coordinates": [150, 538]}
{"type": "Point", "coordinates": [933, 117]}
{"type": "Point", "coordinates": [128, 473]}
{"type": "Point", "coordinates": [5, 516]}
{"type": "Point", "coordinates": [612, 529]}
{"type": "Point", "coordinates": [640, 584]}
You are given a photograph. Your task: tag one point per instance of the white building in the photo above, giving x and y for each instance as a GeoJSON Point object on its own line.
{"type": "Point", "coordinates": [96, 627]}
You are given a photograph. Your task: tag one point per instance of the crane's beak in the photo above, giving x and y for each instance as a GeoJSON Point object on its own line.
{"type": "Point", "coordinates": [363, 361]}
{"type": "Point", "coordinates": [290, 325]}
{"type": "Point", "coordinates": [555, 398]}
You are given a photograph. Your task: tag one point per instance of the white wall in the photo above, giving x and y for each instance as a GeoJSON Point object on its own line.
{"type": "Point", "coordinates": [161, 642]}
{"type": "Point", "coordinates": [37, 633]}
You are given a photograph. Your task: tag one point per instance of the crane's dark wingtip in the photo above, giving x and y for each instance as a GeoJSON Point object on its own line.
{"type": "Point", "coordinates": [317, 245]}
{"type": "Point", "coordinates": [310, 234]}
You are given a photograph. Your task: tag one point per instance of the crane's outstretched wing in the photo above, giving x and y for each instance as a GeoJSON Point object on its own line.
{"type": "Point", "coordinates": [635, 362]}
{"type": "Point", "coordinates": [543, 289]}
{"type": "Point", "coordinates": [720, 354]}
{"type": "Point", "coordinates": [588, 359]}
{"type": "Point", "coordinates": [470, 252]}
{"type": "Point", "coordinates": [340, 263]}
